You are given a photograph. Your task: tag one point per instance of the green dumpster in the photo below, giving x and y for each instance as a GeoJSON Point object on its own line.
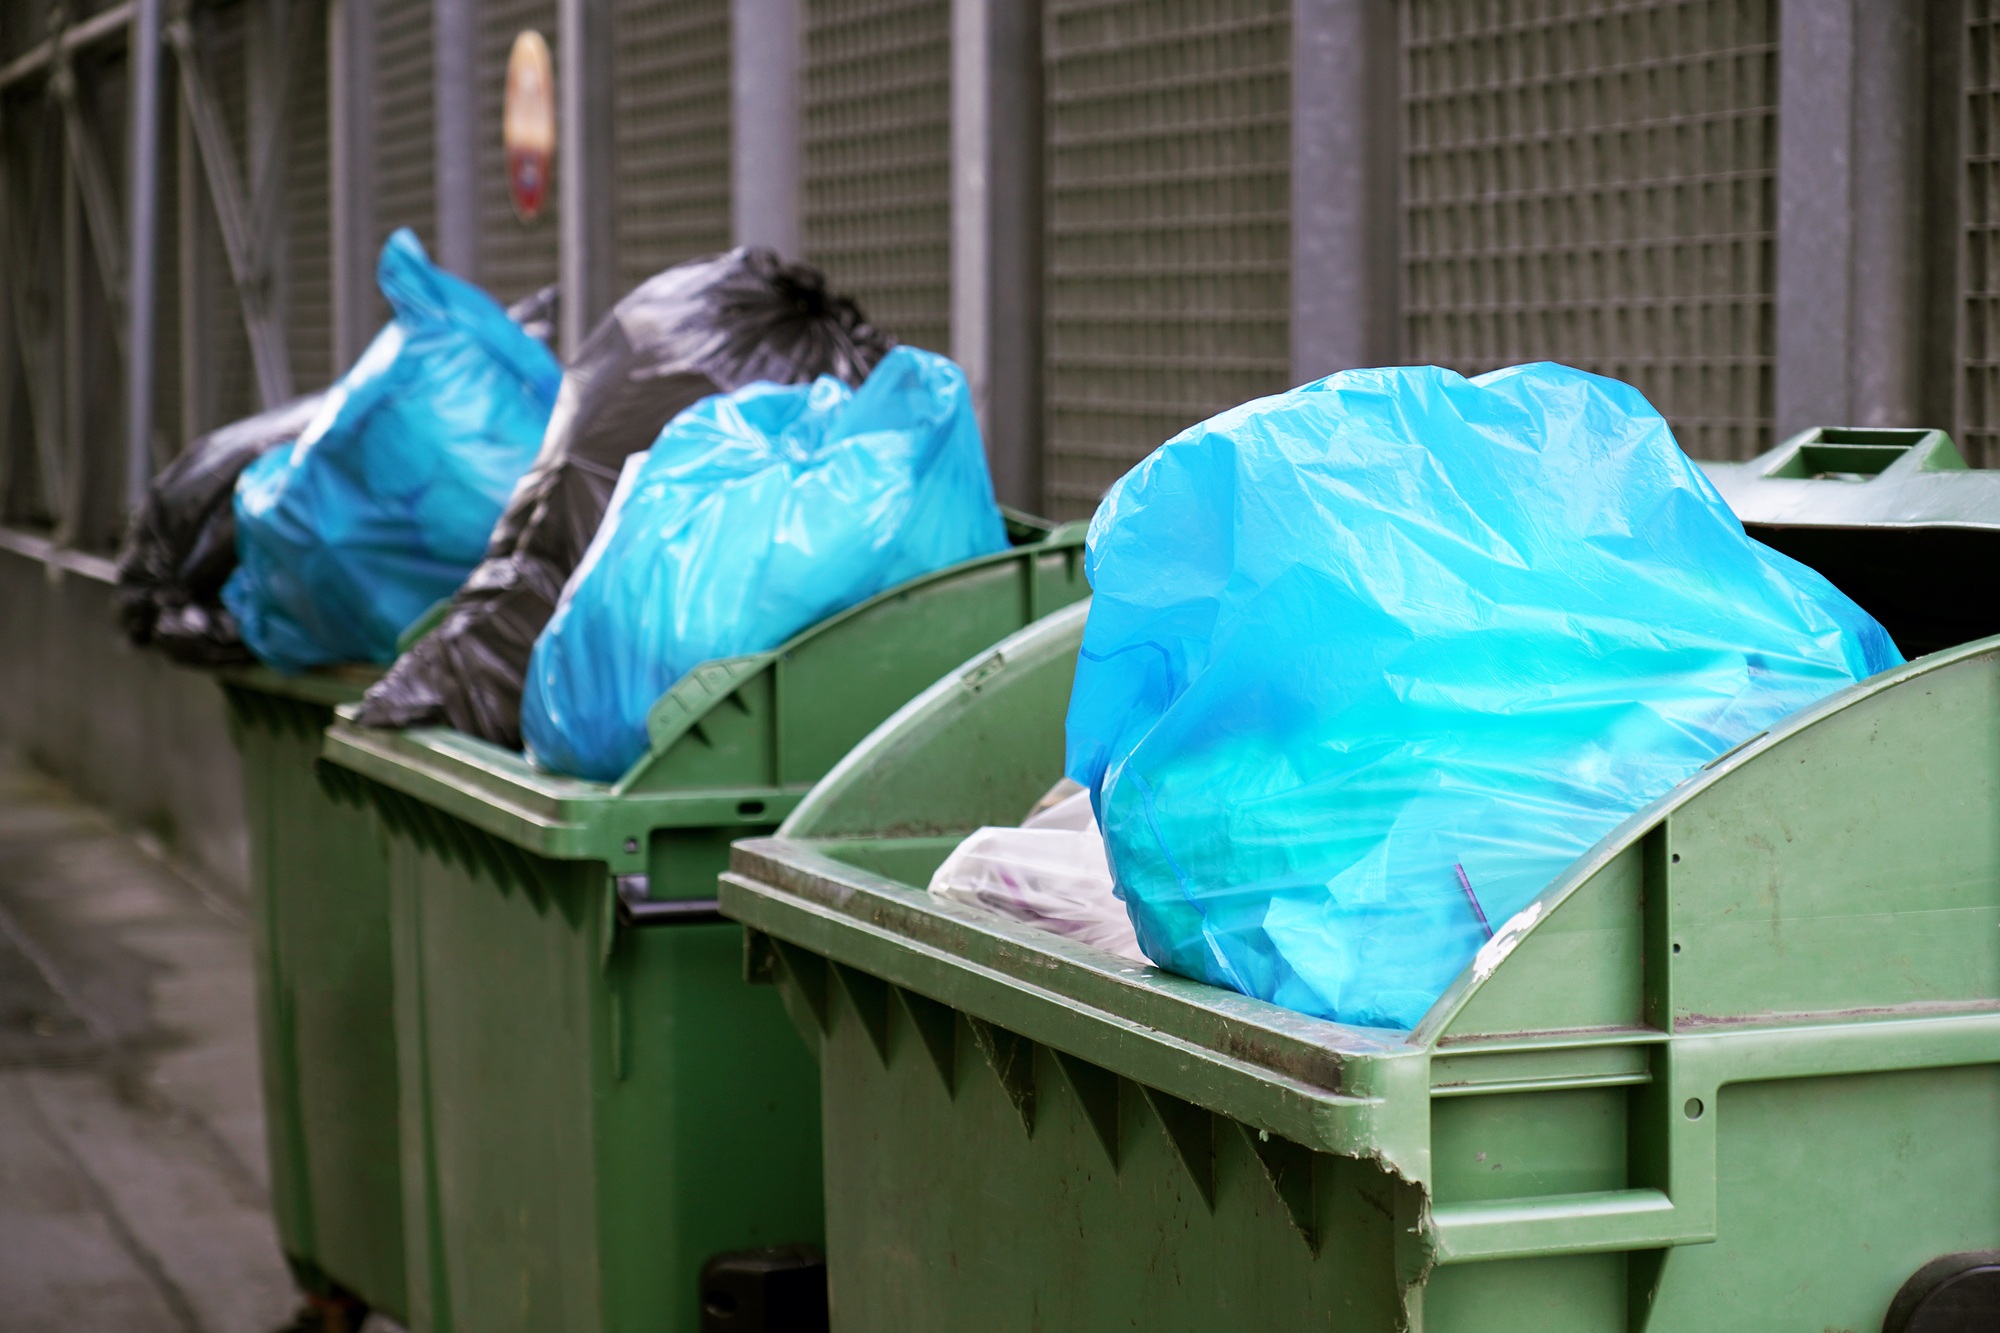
{"type": "Point", "coordinates": [1738, 1068]}
{"type": "Point", "coordinates": [319, 882]}
{"type": "Point", "coordinates": [593, 1103]}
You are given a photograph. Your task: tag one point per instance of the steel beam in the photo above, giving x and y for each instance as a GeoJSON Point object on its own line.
{"type": "Point", "coordinates": [996, 232]}
{"type": "Point", "coordinates": [767, 202]}
{"type": "Point", "coordinates": [351, 84]}
{"type": "Point", "coordinates": [455, 66]}
{"type": "Point", "coordinates": [143, 157]}
{"type": "Point", "coordinates": [1345, 149]}
{"type": "Point", "coordinates": [1850, 247]}
{"type": "Point", "coordinates": [583, 201]}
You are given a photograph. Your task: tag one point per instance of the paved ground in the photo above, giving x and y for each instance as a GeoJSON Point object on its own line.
{"type": "Point", "coordinates": [132, 1175]}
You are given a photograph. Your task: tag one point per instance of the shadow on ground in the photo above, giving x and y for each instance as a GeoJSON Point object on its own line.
{"type": "Point", "coordinates": [132, 1173]}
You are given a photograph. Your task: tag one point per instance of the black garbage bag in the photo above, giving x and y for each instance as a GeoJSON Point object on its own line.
{"type": "Point", "coordinates": [704, 327]}
{"type": "Point", "coordinates": [182, 544]}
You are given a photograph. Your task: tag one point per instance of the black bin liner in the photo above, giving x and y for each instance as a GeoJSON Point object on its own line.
{"type": "Point", "coordinates": [704, 327]}
{"type": "Point", "coordinates": [182, 545]}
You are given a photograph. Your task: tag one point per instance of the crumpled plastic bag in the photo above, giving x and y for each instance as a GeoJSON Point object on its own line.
{"type": "Point", "coordinates": [1369, 663]}
{"type": "Point", "coordinates": [388, 498]}
{"type": "Point", "coordinates": [707, 326]}
{"type": "Point", "coordinates": [182, 546]}
{"type": "Point", "coordinates": [1049, 873]}
{"type": "Point", "coordinates": [755, 515]}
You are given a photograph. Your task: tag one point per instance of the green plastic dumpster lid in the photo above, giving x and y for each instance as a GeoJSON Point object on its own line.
{"type": "Point", "coordinates": [737, 741]}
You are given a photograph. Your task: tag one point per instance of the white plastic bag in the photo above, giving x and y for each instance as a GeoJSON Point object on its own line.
{"type": "Point", "coordinates": [1050, 873]}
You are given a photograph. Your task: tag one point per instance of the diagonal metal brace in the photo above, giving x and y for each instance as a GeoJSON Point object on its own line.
{"type": "Point", "coordinates": [93, 184]}
{"type": "Point", "coordinates": [241, 240]}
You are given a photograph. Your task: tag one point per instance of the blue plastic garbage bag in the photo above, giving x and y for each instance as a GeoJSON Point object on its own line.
{"type": "Point", "coordinates": [385, 502]}
{"type": "Point", "coordinates": [755, 515]}
{"type": "Point", "coordinates": [1375, 657]}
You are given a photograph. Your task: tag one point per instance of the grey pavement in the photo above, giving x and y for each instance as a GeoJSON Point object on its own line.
{"type": "Point", "coordinates": [132, 1174]}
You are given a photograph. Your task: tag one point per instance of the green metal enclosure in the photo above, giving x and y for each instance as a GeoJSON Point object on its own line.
{"type": "Point", "coordinates": [593, 1104]}
{"type": "Point", "coordinates": [319, 894]}
{"type": "Point", "coordinates": [1738, 1067]}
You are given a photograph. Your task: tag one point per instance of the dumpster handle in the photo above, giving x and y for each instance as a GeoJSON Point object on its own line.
{"type": "Point", "coordinates": [670, 912]}
{"type": "Point", "coordinates": [636, 906]}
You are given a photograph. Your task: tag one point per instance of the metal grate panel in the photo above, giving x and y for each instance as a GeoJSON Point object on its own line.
{"type": "Point", "coordinates": [308, 236]}
{"type": "Point", "coordinates": [405, 142]}
{"type": "Point", "coordinates": [515, 258]}
{"type": "Point", "coordinates": [877, 159]}
{"type": "Point", "coordinates": [24, 24]}
{"type": "Point", "coordinates": [103, 85]}
{"type": "Point", "coordinates": [224, 31]}
{"type": "Point", "coordinates": [1979, 220]}
{"type": "Point", "coordinates": [1594, 182]}
{"type": "Point", "coordinates": [30, 157]}
{"type": "Point", "coordinates": [1169, 185]}
{"type": "Point", "coordinates": [671, 164]}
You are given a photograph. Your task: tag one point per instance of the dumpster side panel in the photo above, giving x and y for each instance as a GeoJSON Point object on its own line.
{"type": "Point", "coordinates": [977, 1181]}
{"type": "Point", "coordinates": [978, 747]}
{"type": "Point", "coordinates": [1832, 1192]}
{"type": "Point", "coordinates": [860, 669]}
{"type": "Point", "coordinates": [1582, 968]}
{"type": "Point", "coordinates": [708, 1129]}
{"type": "Point", "coordinates": [320, 894]}
{"type": "Point", "coordinates": [1571, 1293]}
{"type": "Point", "coordinates": [505, 1038]}
{"type": "Point", "coordinates": [598, 1108]}
{"type": "Point", "coordinates": [1853, 865]}
{"type": "Point", "coordinates": [259, 740]}
{"type": "Point", "coordinates": [427, 1294]}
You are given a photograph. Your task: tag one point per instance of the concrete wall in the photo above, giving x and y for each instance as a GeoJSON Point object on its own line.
{"type": "Point", "coordinates": [126, 730]}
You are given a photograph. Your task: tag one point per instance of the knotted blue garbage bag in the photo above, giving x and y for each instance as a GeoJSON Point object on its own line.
{"type": "Point", "coordinates": [1369, 663]}
{"type": "Point", "coordinates": [385, 503]}
{"type": "Point", "coordinates": [754, 515]}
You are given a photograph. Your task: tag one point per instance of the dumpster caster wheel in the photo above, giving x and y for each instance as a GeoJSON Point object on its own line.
{"type": "Point", "coordinates": [328, 1314]}
{"type": "Point", "coordinates": [1959, 1293]}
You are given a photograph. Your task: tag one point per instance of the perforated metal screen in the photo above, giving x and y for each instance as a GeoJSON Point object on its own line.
{"type": "Point", "coordinates": [670, 98]}
{"type": "Point", "coordinates": [515, 258]}
{"type": "Point", "coordinates": [1594, 181]}
{"type": "Point", "coordinates": [23, 25]}
{"type": "Point", "coordinates": [1168, 293]}
{"type": "Point", "coordinates": [30, 149]}
{"type": "Point", "coordinates": [308, 239]}
{"type": "Point", "coordinates": [405, 120]}
{"type": "Point", "coordinates": [1979, 219]}
{"type": "Point", "coordinates": [231, 380]}
{"type": "Point", "coordinates": [877, 159]}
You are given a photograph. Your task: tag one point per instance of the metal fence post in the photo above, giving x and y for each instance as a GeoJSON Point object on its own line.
{"type": "Point", "coordinates": [143, 156]}
{"type": "Point", "coordinates": [1850, 278]}
{"type": "Point", "coordinates": [1345, 145]}
{"type": "Point", "coordinates": [996, 232]}
{"type": "Point", "coordinates": [454, 65]}
{"type": "Point", "coordinates": [766, 195]}
{"type": "Point", "coordinates": [350, 84]}
{"type": "Point", "coordinates": [584, 129]}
